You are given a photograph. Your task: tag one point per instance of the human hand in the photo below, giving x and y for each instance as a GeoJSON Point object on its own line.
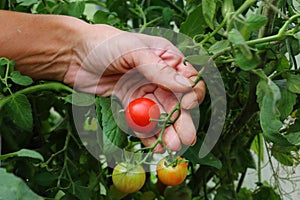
{"type": "Point", "coordinates": [131, 65]}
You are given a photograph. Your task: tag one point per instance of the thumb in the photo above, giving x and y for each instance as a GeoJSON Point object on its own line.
{"type": "Point", "coordinates": [159, 72]}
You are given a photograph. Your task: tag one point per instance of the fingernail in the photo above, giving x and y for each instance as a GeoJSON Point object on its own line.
{"type": "Point", "coordinates": [183, 81]}
{"type": "Point", "coordinates": [194, 141]}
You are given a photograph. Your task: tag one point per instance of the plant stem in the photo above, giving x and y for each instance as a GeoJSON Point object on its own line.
{"type": "Point", "coordinates": [275, 8]}
{"type": "Point", "coordinates": [286, 24]}
{"type": "Point", "coordinates": [174, 6]}
{"type": "Point", "coordinates": [259, 159]}
{"type": "Point", "coordinates": [142, 14]}
{"type": "Point", "coordinates": [241, 9]}
{"type": "Point", "coordinates": [240, 183]}
{"type": "Point", "coordinates": [273, 168]}
{"type": "Point", "coordinates": [270, 14]}
{"type": "Point", "coordinates": [282, 72]}
{"type": "Point", "coordinates": [223, 23]}
{"type": "Point", "coordinates": [145, 25]}
{"type": "Point", "coordinates": [60, 151]}
{"type": "Point", "coordinates": [266, 39]}
{"type": "Point", "coordinates": [167, 122]}
{"type": "Point", "coordinates": [55, 86]}
{"type": "Point", "coordinates": [246, 4]}
{"type": "Point", "coordinates": [249, 109]}
{"type": "Point", "coordinates": [278, 37]}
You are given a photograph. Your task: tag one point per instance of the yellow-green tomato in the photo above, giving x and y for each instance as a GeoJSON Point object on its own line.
{"type": "Point", "coordinates": [127, 178]}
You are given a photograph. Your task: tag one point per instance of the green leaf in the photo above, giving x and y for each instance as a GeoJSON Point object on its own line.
{"type": "Point", "coordinates": [254, 22]}
{"type": "Point", "coordinates": [75, 8]}
{"type": "Point", "coordinates": [44, 178]}
{"type": "Point", "coordinates": [293, 133]}
{"type": "Point", "coordinates": [148, 195]}
{"type": "Point", "coordinates": [192, 154]}
{"type": "Point", "coordinates": [293, 83]}
{"type": "Point", "coordinates": [3, 61]}
{"type": "Point", "coordinates": [258, 145]}
{"type": "Point", "coordinates": [284, 64]}
{"type": "Point", "coordinates": [114, 193]}
{"type": "Point", "coordinates": [268, 94]}
{"type": "Point", "coordinates": [194, 23]}
{"type": "Point", "coordinates": [180, 192]}
{"type": "Point", "coordinates": [27, 2]}
{"type": "Point", "coordinates": [287, 101]}
{"type": "Point", "coordinates": [198, 59]}
{"type": "Point", "coordinates": [114, 138]}
{"type": "Point", "coordinates": [283, 154]}
{"type": "Point", "coordinates": [223, 193]}
{"type": "Point", "coordinates": [244, 53]}
{"type": "Point", "coordinates": [59, 195]}
{"type": "Point", "coordinates": [293, 45]}
{"type": "Point", "coordinates": [20, 79]}
{"type": "Point", "coordinates": [295, 127]}
{"type": "Point", "coordinates": [245, 63]}
{"type": "Point", "coordinates": [23, 153]}
{"type": "Point", "coordinates": [245, 194]}
{"type": "Point", "coordinates": [235, 37]}
{"type": "Point", "coordinates": [242, 157]}
{"type": "Point", "coordinates": [218, 46]}
{"type": "Point", "coordinates": [167, 14]}
{"type": "Point", "coordinates": [227, 8]}
{"type": "Point", "coordinates": [19, 111]}
{"type": "Point", "coordinates": [80, 99]}
{"type": "Point", "coordinates": [12, 187]}
{"type": "Point", "coordinates": [100, 17]}
{"type": "Point", "coordinates": [209, 10]}
{"type": "Point", "coordinates": [103, 17]}
{"type": "Point", "coordinates": [82, 192]}
{"type": "Point", "coordinates": [265, 193]}
{"type": "Point", "coordinates": [293, 138]}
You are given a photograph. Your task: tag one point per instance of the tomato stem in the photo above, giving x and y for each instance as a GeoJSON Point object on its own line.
{"type": "Point", "coordinates": [167, 121]}
{"type": "Point", "coordinates": [165, 124]}
{"type": "Point", "coordinates": [56, 86]}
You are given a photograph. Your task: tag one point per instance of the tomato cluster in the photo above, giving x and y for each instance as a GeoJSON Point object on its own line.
{"type": "Point", "coordinates": [128, 179]}
{"type": "Point", "coordinates": [142, 115]}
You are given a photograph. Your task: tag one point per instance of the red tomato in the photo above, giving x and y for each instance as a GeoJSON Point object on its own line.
{"type": "Point", "coordinates": [138, 115]}
{"type": "Point", "coordinates": [171, 175]}
{"type": "Point", "coordinates": [128, 179]}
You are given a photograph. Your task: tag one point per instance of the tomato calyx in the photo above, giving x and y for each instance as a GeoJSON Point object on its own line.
{"type": "Point", "coordinates": [172, 173]}
{"type": "Point", "coordinates": [171, 161]}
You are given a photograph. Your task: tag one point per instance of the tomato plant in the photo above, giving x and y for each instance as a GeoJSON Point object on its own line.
{"type": "Point", "coordinates": [172, 173]}
{"type": "Point", "coordinates": [139, 114]}
{"type": "Point", "coordinates": [128, 178]}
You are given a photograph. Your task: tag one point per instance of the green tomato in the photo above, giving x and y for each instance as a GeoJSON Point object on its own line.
{"type": "Point", "coordinates": [127, 178]}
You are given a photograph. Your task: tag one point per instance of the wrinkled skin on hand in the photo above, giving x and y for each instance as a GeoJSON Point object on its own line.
{"type": "Point", "coordinates": [132, 65]}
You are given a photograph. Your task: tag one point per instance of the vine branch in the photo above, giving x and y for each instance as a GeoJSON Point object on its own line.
{"type": "Point", "coordinates": [55, 86]}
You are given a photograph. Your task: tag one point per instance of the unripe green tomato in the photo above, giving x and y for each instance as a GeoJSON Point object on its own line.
{"type": "Point", "coordinates": [127, 178]}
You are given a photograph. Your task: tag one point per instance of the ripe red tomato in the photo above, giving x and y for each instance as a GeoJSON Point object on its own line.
{"type": "Point", "coordinates": [127, 178]}
{"type": "Point", "coordinates": [169, 174]}
{"type": "Point", "coordinates": [138, 115]}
